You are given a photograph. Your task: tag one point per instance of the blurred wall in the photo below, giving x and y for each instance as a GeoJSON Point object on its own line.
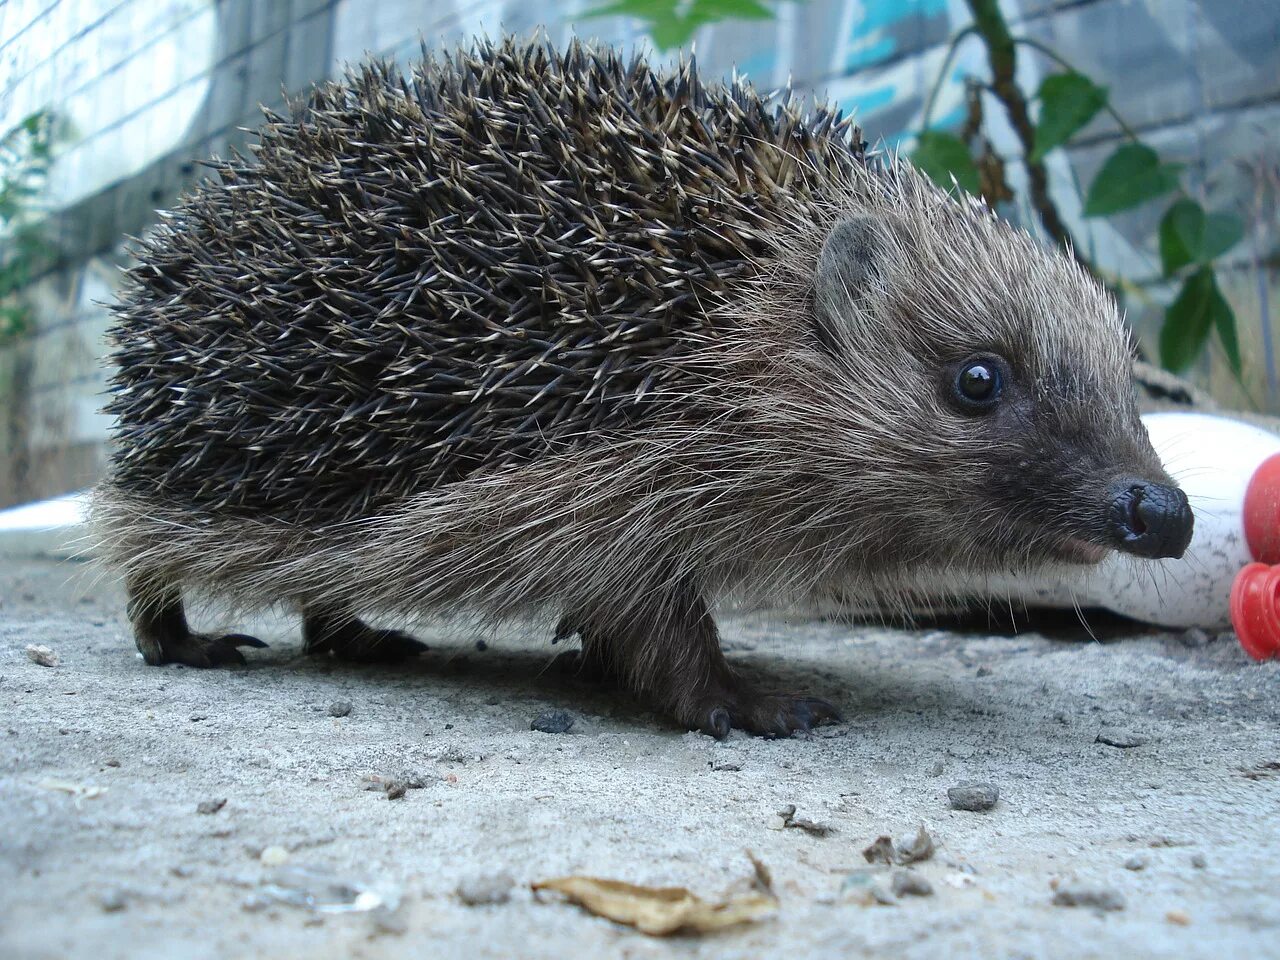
{"type": "Point", "coordinates": [149, 86]}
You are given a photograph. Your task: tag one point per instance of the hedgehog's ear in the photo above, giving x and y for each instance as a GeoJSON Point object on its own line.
{"type": "Point", "coordinates": [848, 265]}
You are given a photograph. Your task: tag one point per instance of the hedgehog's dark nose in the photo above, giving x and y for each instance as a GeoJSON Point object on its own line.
{"type": "Point", "coordinates": [1149, 519]}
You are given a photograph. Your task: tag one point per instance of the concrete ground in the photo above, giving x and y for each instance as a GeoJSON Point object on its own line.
{"type": "Point", "coordinates": [1143, 770]}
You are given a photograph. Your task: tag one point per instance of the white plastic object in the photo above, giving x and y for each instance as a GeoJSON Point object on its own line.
{"type": "Point", "coordinates": [1214, 459]}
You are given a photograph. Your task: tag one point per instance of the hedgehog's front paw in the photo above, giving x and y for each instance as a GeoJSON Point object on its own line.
{"type": "Point", "coordinates": [204, 650]}
{"type": "Point", "coordinates": [764, 714]}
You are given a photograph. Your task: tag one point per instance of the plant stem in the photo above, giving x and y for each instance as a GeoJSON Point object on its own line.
{"type": "Point", "coordinates": [942, 74]}
{"type": "Point", "coordinates": [1002, 54]}
{"type": "Point", "coordinates": [1060, 61]}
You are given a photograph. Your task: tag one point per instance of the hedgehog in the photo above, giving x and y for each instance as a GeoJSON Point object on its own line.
{"type": "Point", "coordinates": [529, 331]}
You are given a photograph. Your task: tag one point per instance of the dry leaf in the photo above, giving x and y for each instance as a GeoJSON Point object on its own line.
{"type": "Point", "coordinates": [880, 851]}
{"type": "Point", "coordinates": [659, 910]}
{"type": "Point", "coordinates": [788, 818]}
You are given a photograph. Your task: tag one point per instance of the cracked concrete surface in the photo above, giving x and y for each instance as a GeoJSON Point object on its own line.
{"type": "Point", "coordinates": [105, 761]}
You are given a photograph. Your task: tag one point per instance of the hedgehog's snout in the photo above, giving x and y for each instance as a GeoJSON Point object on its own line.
{"type": "Point", "coordinates": [1149, 519]}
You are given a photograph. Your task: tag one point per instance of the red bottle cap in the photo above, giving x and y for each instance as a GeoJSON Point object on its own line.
{"type": "Point", "coordinates": [1255, 610]}
{"type": "Point", "coordinates": [1262, 511]}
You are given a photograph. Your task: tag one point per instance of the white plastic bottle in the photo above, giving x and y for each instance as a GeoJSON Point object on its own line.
{"type": "Point", "coordinates": [1230, 573]}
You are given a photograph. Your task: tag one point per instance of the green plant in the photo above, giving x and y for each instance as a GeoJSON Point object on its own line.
{"type": "Point", "coordinates": [25, 155]}
{"type": "Point", "coordinates": [1191, 239]}
{"type": "Point", "coordinates": [672, 23]}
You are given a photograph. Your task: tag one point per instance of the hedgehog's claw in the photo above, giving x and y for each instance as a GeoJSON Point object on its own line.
{"type": "Point", "coordinates": [205, 650]}
{"type": "Point", "coordinates": [766, 715]}
{"type": "Point", "coordinates": [719, 723]}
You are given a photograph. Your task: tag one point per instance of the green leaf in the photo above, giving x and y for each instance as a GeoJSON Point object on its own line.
{"type": "Point", "coordinates": [670, 34]}
{"type": "Point", "coordinates": [1189, 235]}
{"type": "Point", "coordinates": [944, 155]}
{"type": "Point", "coordinates": [642, 9]}
{"type": "Point", "coordinates": [1224, 321]}
{"type": "Point", "coordinates": [33, 122]}
{"type": "Point", "coordinates": [1198, 308]}
{"type": "Point", "coordinates": [1067, 102]}
{"type": "Point", "coordinates": [1131, 176]}
{"type": "Point", "coordinates": [711, 10]}
{"type": "Point", "coordinates": [671, 24]}
{"type": "Point", "coordinates": [13, 320]}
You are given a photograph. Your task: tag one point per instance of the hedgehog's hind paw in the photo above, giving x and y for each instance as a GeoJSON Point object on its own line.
{"type": "Point", "coordinates": [207, 650]}
{"type": "Point", "coordinates": [764, 714]}
{"type": "Point", "coordinates": [353, 640]}
{"type": "Point", "coordinates": [161, 632]}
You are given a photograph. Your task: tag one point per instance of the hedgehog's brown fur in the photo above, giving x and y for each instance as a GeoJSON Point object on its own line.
{"type": "Point", "coordinates": [553, 332]}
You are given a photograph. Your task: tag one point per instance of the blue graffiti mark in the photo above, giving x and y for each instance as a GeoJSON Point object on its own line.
{"type": "Point", "coordinates": [871, 39]}
{"type": "Point", "coordinates": [760, 66]}
{"type": "Point", "coordinates": [875, 98]}
{"type": "Point", "coordinates": [894, 143]}
{"type": "Point", "coordinates": [868, 101]}
{"type": "Point", "coordinates": [867, 54]}
{"type": "Point", "coordinates": [948, 121]}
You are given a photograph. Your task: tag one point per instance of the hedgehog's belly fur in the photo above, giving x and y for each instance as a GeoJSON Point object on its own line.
{"type": "Point", "coordinates": [528, 537]}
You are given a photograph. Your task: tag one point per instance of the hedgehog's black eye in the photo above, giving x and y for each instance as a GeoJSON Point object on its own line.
{"type": "Point", "coordinates": [977, 385]}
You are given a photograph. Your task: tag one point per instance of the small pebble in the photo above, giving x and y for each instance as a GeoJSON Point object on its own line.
{"type": "Point", "coordinates": [1195, 637]}
{"type": "Point", "coordinates": [211, 806]}
{"type": "Point", "coordinates": [1198, 861]}
{"type": "Point", "coordinates": [937, 769]}
{"type": "Point", "coordinates": [273, 856]}
{"type": "Point", "coordinates": [908, 883]}
{"type": "Point", "coordinates": [1178, 917]}
{"type": "Point", "coordinates": [1139, 861]}
{"type": "Point", "coordinates": [388, 922]}
{"type": "Point", "coordinates": [553, 721]}
{"type": "Point", "coordinates": [113, 901]}
{"type": "Point", "coordinates": [39, 653]}
{"type": "Point", "coordinates": [197, 717]}
{"type": "Point", "coordinates": [340, 708]}
{"type": "Point", "coordinates": [975, 797]}
{"type": "Point", "coordinates": [112, 762]}
{"type": "Point", "coordinates": [1084, 895]}
{"type": "Point", "coordinates": [483, 890]}
{"type": "Point", "coordinates": [1122, 739]}
{"type": "Point", "coordinates": [415, 780]}
{"type": "Point", "coordinates": [395, 787]}
{"type": "Point", "coordinates": [866, 887]}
